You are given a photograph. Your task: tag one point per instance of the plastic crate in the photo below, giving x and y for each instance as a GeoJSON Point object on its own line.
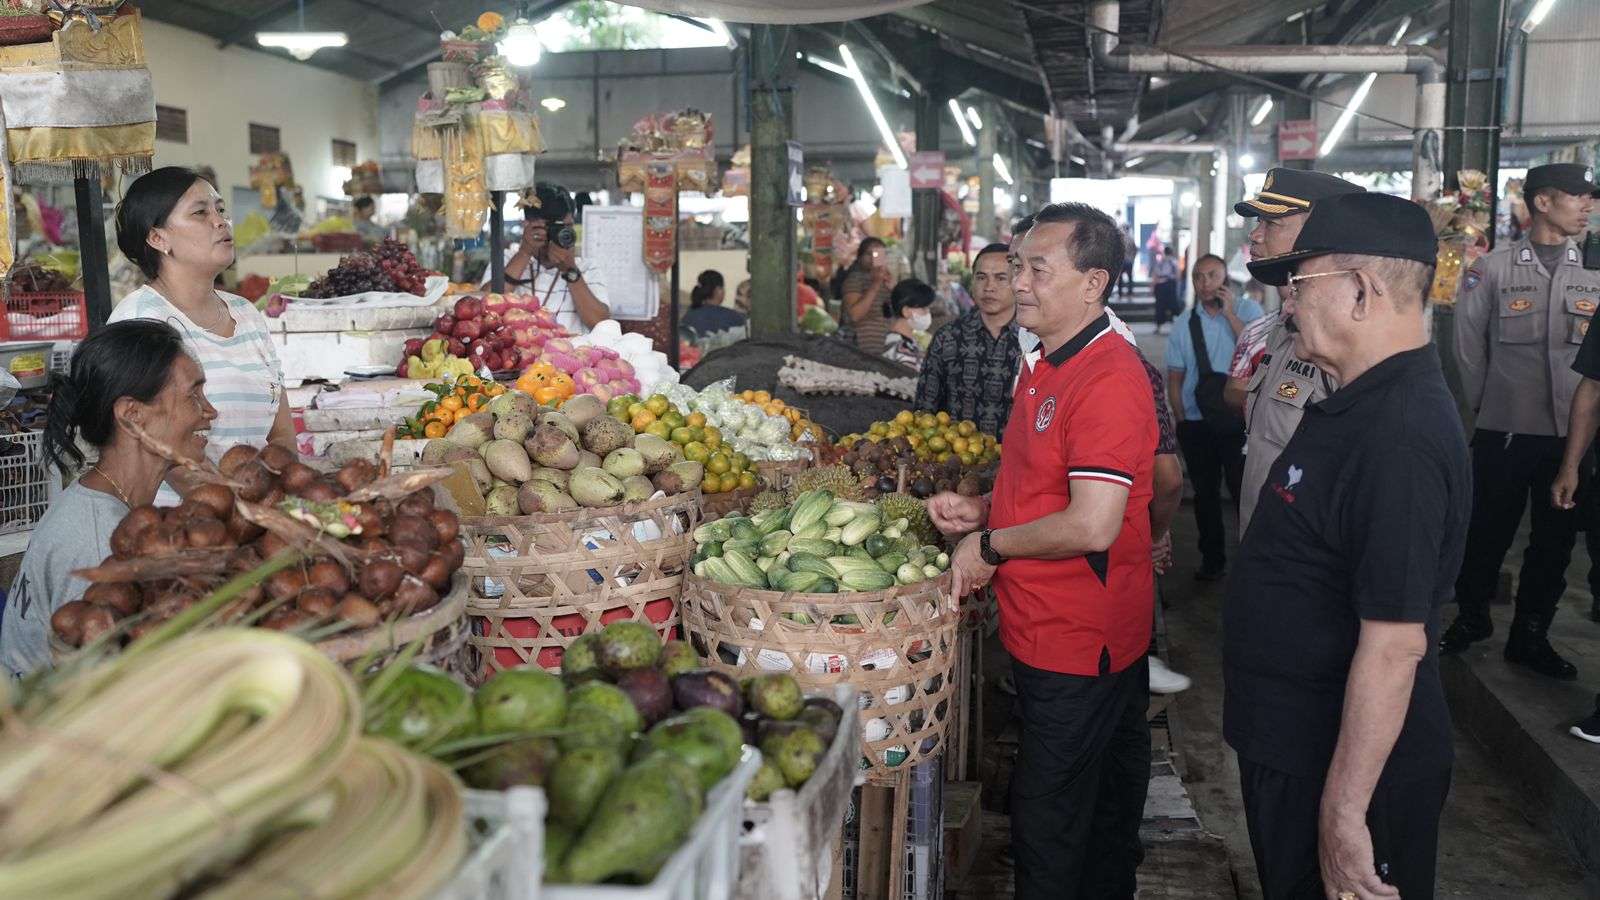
{"type": "Point", "coordinates": [506, 832]}
{"type": "Point", "coordinates": [788, 844]}
{"type": "Point", "coordinates": [27, 481]}
{"type": "Point", "coordinates": [61, 357]}
{"type": "Point", "coordinates": [55, 316]}
{"type": "Point", "coordinates": [922, 872]}
{"type": "Point", "coordinates": [706, 867]}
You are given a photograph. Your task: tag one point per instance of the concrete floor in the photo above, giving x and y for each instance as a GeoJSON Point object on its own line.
{"type": "Point", "coordinates": [1492, 845]}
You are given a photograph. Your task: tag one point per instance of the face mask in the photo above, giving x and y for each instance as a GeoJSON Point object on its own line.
{"type": "Point", "coordinates": [920, 320]}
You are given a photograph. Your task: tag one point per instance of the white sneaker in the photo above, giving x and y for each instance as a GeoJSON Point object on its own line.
{"type": "Point", "coordinates": [1165, 681]}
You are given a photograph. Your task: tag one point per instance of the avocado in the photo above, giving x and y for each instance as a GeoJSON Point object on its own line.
{"type": "Point", "coordinates": [577, 782]}
{"type": "Point", "coordinates": [641, 819]}
{"type": "Point", "coordinates": [607, 698]}
{"type": "Point", "coordinates": [627, 645]}
{"type": "Point", "coordinates": [579, 662]}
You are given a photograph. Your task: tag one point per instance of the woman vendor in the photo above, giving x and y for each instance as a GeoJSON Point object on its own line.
{"type": "Point", "coordinates": [173, 225]}
{"type": "Point", "coordinates": [134, 373]}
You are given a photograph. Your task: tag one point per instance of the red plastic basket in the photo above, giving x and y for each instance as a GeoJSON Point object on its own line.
{"type": "Point", "coordinates": [337, 242]}
{"type": "Point", "coordinates": [51, 316]}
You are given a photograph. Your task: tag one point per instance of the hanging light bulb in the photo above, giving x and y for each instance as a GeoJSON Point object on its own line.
{"type": "Point", "coordinates": [301, 44]}
{"type": "Point", "coordinates": [520, 46]}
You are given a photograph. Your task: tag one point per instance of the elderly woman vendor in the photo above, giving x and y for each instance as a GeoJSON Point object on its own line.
{"type": "Point", "coordinates": [128, 375]}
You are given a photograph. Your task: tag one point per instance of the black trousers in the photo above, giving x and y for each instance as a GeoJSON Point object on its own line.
{"type": "Point", "coordinates": [1511, 473]}
{"type": "Point", "coordinates": [1281, 814]}
{"type": "Point", "coordinates": [1078, 790]}
{"type": "Point", "coordinates": [1125, 280]}
{"type": "Point", "coordinates": [1210, 458]}
{"type": "Point", "coordinates": [1167, 304]}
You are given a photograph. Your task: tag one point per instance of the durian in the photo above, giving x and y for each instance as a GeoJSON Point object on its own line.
{"type": "Point", "coordinates": [838, 479]}
{"type": "Point", "coordinates": [914, 511]}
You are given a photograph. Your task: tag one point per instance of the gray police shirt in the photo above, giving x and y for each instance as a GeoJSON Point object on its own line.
{"type": "Point", "coordinates": [75, 533]}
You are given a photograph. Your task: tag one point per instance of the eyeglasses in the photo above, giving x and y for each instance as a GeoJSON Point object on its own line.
{"type": "Point", "coordinates": [1294, 280]}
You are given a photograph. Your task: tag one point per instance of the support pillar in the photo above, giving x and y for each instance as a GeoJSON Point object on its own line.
{"type": "Point", "coordinates": [927, 210]}
{"type": "Point", "coordinates": [1473, 77]}
{"type": "Point", "coordinates": [1287, 107]}
{"type": "Point", "coordinates": [985, 224]}
{"type": "Point", "coordinates": [95, 263]}
{"type": "Point", "coordinates": [772, 219]}
{"type": "Point", "coordinates": [1233, 175]}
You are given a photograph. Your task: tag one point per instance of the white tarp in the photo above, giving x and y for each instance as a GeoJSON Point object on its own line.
{"type": "Point", "coordinates": [775, 12]}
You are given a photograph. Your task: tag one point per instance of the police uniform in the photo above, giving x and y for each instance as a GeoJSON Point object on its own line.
{"type": "Point", "coordinates": [1283, 385]}
{"type": "Point", "coordinates": [1518, 329]}
{"type": "Point", "coordinates": [1280, 390]}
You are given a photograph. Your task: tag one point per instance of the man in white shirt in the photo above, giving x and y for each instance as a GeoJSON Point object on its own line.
{"type": "Point", "coordinates": [545, 266]}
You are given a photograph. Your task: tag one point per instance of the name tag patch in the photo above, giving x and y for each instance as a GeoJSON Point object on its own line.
{"type": "Point", "coordinates": [1520, 304]}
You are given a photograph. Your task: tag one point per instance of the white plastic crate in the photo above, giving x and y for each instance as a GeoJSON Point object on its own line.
{"type": "Point", "coordinates": [506, 832]}
{"type": "Point", "coordinates": [27, 482]}
{"type": "Point", "coordinates": [61, 356]}
{"type": "Point", "coordinates": [706, 867]}
{"type": "Point", "coordinates": [787, 848]}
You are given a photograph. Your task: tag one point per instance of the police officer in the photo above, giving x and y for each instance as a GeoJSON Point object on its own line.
{"type": "Point", "coordinates": [1522, 314]}
{"type": "Point", "coordinates": [1274, 384]}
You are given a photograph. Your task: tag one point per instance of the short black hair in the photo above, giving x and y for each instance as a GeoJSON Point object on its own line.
{"type": "Point", "coordinates": [1220, 261]}
{"type": "Point", "coordinates": [1095, 243]}
{"type": "Point", "coordinates": [363, 203]}
{"type": "Point", "coordinates": [147, 203]}
{"type": "Point", "coordinates": [131, 358]}
{"type": "Point", "coordinates": [554, 203]}
{"type": "Point", "coordinates": [996, 247]}
{"type": "Point", "coordinates": [705, 286]}
{"type": "Point", "coordinates": [1022, 226]}
{"type": "Point", "coordinates": [910, 293]}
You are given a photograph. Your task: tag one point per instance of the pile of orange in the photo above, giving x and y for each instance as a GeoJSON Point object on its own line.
{"type": "Point", "coordinates": [546, 383]}
{"type": "Point", "coordinates": [799, 425]}
{"type": "Point", "coordinates": [462, 397]}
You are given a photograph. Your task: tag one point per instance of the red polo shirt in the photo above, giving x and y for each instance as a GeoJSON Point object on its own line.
{"type": "Point", "coordinates": [1081, 413]}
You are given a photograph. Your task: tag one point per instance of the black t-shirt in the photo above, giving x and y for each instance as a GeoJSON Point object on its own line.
{"type": "Point", "coordinates": [1364, 516]}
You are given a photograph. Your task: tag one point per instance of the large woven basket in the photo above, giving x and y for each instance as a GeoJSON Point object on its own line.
{"type": "Point", "coordinates": [777, 474]}
{"type": "Point", "coordinates": [541, 581]}
{"type": "Point", "coordinates": [728, 503]}
{"type": "Point", "coordinates": [899, 652]}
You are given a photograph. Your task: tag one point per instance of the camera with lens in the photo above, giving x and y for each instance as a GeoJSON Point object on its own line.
{"type": "Point", "coordinates": [561, 234]}
{"type": "Point", "coordinates": [552, 204]}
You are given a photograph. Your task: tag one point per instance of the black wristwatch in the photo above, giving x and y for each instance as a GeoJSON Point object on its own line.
{"type": "Point", "coordinates": [987, 551]}
{"type": "Point", "coordinates": [571, 276]}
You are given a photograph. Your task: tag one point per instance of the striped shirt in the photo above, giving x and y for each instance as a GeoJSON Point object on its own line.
{"type": "Point", "coordinates": [244, 379]}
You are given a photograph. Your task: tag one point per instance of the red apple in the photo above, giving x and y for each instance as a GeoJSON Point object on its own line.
{"type": "Point", "coordinates": [493, 361]}
{"type": "Point", "coordinates": [468, 328]}
{"type": "Point", "coordinates": [456, 347]}
{"type": "Point", "coordinates": [496, 303]}
{"type": "Point", "coordinates": [444, 323]}
{"type": "Point", "coordinates": [490, 320]}
{"type": "Point", "coordinates": [402, 370]}
{"type": "Point", "coordinates": [414, 347]}
{"type": "Point", "coordinates": [469, 308]}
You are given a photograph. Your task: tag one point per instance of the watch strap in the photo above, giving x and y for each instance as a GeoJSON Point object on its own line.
{"type": "Point", "coordinates": [987, 551]}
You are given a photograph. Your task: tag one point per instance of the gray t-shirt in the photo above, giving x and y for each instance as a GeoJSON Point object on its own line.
{"type": "Point", "coordinates": [75, 533]}
{"type": "Point", "coordinates": [1550, 254]}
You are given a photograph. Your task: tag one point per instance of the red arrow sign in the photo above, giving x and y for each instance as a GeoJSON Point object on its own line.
{"type": "Point", "coordinates": [927, 170]}
{"type": "Point", "coordinates": [1297, 139]}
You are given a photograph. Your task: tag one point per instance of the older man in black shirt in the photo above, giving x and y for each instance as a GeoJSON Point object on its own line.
{"type": "Point", "coordinates": [972, 362]}
{"type": "Point", "coordinates": [1333, 700]}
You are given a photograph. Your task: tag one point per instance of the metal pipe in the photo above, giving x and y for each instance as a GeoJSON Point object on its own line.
{"type": "Point", "coordinates": [1105, 17]}
{"type": "Point", "coordinates": [1166, 147]}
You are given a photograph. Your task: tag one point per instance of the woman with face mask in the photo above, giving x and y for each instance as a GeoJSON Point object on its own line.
{"type": "Point", "coordinates": [172, 224]}
{"type": "Point", "coordinates": [126, 376]}
{"type": "Point", "coordinates": [906, 313]}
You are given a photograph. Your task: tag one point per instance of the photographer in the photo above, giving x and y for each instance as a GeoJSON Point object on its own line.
{"type": "Point", "coordinates": [545, 264]}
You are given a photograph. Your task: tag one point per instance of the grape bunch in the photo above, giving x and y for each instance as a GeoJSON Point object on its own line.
{"type": "Point", "coordinates": [389, 267]}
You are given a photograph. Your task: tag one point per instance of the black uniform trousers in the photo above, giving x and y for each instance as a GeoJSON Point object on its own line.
{"type": "Point", "coordinates": [1510, 473]}
{"type": "Point", "coordinates": [1078, 790]}
{"type": "Point", "coordinates": [1211, 458]}
{"type": "Point", "coordinates": [1281, 813]}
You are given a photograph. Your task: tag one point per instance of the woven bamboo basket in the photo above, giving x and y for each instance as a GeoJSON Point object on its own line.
{"type": "Point", "coordinates": [442, 76]}
{"type": "Point", "coordinates": [899, 652]}
{"type": "Point", "coordinates": [777, 474]}
{"type": "Point", "coordinates": [442, 629]}
{"type": "Point", "coordinates": [728, 503]}
{"type": "Point", "coordinates": [539, 582]}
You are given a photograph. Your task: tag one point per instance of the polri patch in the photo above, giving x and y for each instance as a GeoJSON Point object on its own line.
{"type": "Point", "coordinates": [1520, 304]}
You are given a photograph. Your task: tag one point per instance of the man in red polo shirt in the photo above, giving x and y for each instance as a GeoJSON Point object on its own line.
{"type": "Point", "coordinates": [1066, 539]}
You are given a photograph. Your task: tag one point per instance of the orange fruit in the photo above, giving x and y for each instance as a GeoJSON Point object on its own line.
{"type": "Point", "coordinates": [434, 430]}
{"type": "Point", "coordinates": [490, 21]}
{"type": "Point", "coordinates": [642, 420]}
{"type": "Point", "coordinates": [761, 397]}
{"type": "Point", "coordinates": [452, 403]}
